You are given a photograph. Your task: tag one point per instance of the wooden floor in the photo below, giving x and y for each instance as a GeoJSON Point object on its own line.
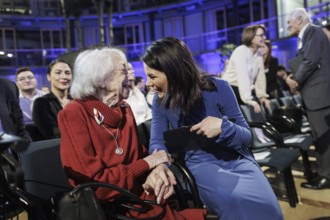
{"type": "Point", "coordinates": [313, 204]}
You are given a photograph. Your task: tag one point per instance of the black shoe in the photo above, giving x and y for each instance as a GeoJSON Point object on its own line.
{"type": "Point", "coordinates": [319, 183]}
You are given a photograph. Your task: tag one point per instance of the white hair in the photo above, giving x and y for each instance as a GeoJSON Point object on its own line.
{"type": "Point", "coordinates": [295, 13]}
{"type": "Point", "coordinates": [92, 67]}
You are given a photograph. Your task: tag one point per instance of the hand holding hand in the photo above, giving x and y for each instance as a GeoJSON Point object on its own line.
{"type": "Point", "coordinates": [158, 157]}
{"type": "Point", "coordinates": [209, 127]}
{"type": "Point", "coordinates": [160, 182]}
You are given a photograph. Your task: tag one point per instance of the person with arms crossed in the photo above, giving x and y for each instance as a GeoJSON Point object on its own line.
{"type": "Point", "coordinates": [311, 76]}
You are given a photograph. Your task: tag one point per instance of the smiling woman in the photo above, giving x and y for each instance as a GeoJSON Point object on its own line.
{"type": "Point", "coordinates": [46, 108]}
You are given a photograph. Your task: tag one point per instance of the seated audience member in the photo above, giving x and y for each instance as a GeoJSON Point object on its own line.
{"type": "Point", "coordinates": [229, 180]}
{"type": "Point", "coordinates": [271, 66]}
{"type": "Point", "coordinates": [99, 141]}
{"type": "Point", "coordinates": [140, 84]}
{"type": "Point", "coordinates": [46, 108]}
{"type": "Point", "coordinates": [137, 100]}
{"type": "Point", "coordinates": [246, 72]}
{"type": "Point", "coordinates": [11, 116]}
{"type": "Point", "coordinates": [282, 74]}
{"type": "Point", "coordinates": [27, 85]}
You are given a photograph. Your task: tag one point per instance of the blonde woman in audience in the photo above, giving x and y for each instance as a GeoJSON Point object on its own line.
{"type": "Point", "coordinates": [245, 71]}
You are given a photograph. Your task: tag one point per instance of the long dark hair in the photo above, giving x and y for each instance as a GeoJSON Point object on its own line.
{"type": "Point", "coordinates": [185, 80]}
{"type": "Point", "coordinates": [269, 53]}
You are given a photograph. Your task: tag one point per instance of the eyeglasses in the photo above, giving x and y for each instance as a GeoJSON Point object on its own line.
{"type": "Point", "coordinates": [261, 35]}
{"type": "Point", "coordinates": [21, 79]}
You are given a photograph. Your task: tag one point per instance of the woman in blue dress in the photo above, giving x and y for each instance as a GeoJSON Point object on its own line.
{"type": "Point", "coordinates": [229, 180]}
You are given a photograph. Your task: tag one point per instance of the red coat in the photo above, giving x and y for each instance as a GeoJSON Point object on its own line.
{"type": "Point", "coordinates": [88, 150]}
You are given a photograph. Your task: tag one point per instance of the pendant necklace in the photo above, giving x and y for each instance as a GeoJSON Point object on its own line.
{"type": "Point", "coordinates": [119, 150]}
{"type": "Point", "coordinates": [99, 118]}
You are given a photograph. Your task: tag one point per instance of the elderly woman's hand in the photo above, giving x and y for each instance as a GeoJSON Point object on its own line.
{"type": "Point", "coordinates": [160, 183]}
{"type": "Point", "coordinates": [158, 157]}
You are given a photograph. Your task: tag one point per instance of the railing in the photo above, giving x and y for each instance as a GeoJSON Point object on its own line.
{"type": "Point", "coordinates": [198, 44]}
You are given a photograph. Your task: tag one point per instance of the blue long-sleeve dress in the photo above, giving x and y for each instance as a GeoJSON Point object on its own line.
{"type": "Point", "coordinates": [229, 180]}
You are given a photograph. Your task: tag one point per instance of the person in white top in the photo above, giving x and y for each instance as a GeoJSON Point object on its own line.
{"type": "Point", "coordinates": [137, 100]}
{"type": "Point", "coordinates": [245, 71]}
{"type": "Point", "coordinates": [27, 85]}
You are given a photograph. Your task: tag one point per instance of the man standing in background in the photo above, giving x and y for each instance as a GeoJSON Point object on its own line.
{"type": "Point", "coordinates": [27, 85]}
{"type": "Point", "coordinates": [311, 76]}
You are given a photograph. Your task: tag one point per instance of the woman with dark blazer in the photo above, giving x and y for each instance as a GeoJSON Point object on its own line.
{"type": "Point", "coordinates": [46, 108]}
{"type": "Point", "coordinates": [271, 67]}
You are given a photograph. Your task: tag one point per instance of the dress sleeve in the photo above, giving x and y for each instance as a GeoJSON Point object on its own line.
{"type": "Point", "coordinates": [80, 155]}
{"type": "Point", "coordinates": [159, 124]}
{"type": "Point", "coordinates": [236, 133]}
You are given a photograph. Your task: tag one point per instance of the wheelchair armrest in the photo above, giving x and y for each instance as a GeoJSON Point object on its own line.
{"type": "Point", "coordinates": [190, 180]}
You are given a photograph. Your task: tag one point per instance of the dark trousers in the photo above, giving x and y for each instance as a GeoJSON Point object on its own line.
{"type": "Point", "coordinates": [320, 124]}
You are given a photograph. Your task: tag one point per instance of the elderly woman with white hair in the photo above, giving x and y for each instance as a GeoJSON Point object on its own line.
{"type": "Point", "coordinates": [99, 141]}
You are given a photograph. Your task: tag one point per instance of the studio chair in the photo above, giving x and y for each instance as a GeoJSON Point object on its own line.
{"type": "Point", "coordinates": [44, 176]}
{"type": "Point", "coordinates": [280, 159]}
{"type": "Point", "coordinates": [295, 101]}
{"type": "Point", "coordinates": [302, 142]}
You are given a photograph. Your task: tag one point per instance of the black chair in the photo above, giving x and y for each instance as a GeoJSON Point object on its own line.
{"type": "Point", "coordinates": [281, 159]}
{"type": "Point", "coordinates": [288, 140]}
{"type": "Point", "coordinates": [44, 178]}
{"type": "Point", "coordinates": [295, 101]}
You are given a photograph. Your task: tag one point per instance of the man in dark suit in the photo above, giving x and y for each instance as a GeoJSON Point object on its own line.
{"type": "Point", "coordinates": [11, 115]}
{"type": "Point", "coordinates": [311, 76]}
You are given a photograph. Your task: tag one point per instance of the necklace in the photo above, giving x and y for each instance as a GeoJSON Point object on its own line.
{"type": "Point", "coordinates": [119, 150]}
{"type": "Point", "coordinates": [99, 118]}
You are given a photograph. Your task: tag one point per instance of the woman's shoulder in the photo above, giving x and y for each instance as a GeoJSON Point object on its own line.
{"type": "Point", "coordinates": [220, 82]}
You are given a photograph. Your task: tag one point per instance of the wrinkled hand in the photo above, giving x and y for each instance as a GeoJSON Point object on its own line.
{"type": "Point", "coordinates": [209, 127]}
{"type": "Point", "coordinates": [160, 182]}
{"type": "Point", "coordinates": [158, 157]}
{"type": "Point", "coordinates": [291, 82]}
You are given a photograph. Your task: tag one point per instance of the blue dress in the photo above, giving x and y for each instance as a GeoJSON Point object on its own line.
{"type": "Point", "coordinates": [230, 184]}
